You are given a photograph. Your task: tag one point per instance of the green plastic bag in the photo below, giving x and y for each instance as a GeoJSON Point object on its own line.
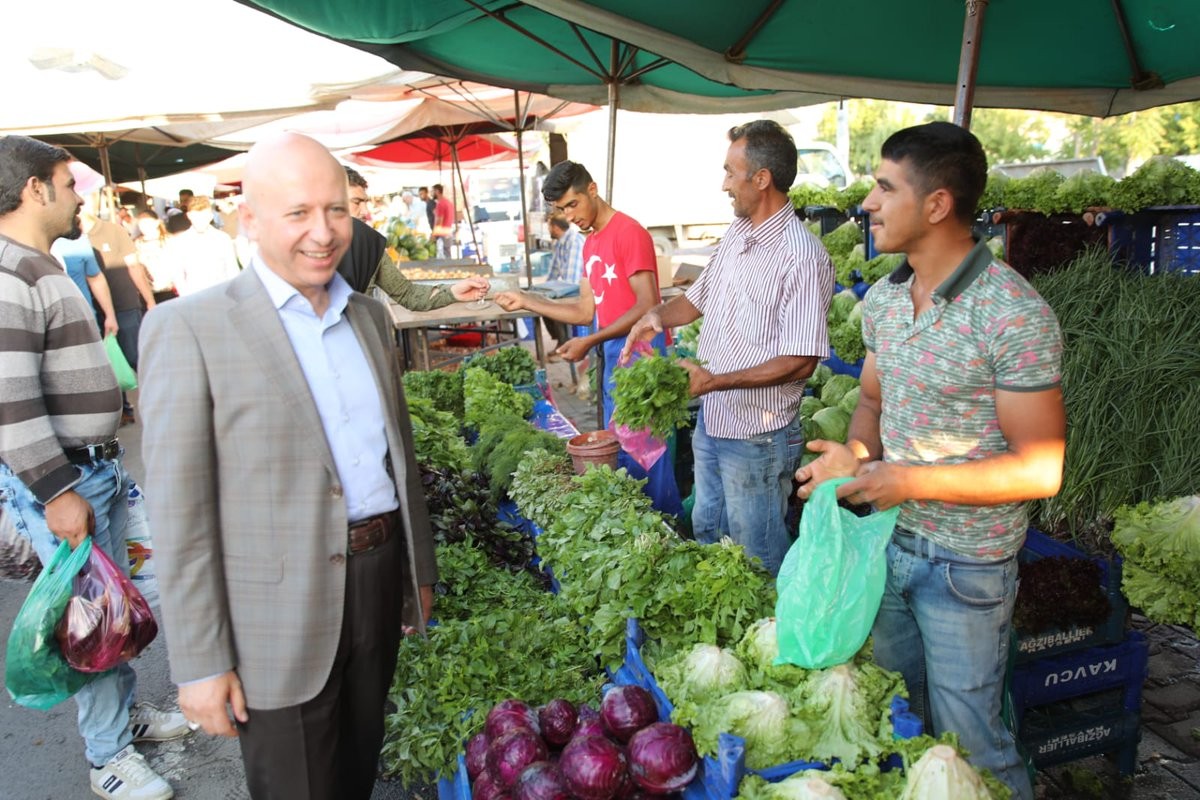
{"type": "Point", "coordinates": [126, 377]}
{"type": "Point", "coordinates": [831, 581]}
{"type": "Point", "coordinates": [36, 674]}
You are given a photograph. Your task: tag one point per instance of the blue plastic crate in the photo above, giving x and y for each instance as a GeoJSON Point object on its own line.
{"type": "Point", "coordinates": [456, 786]}
{"type": "Point", "coordinates": [1061, 734]}
{"type": "Point", "coordinates": [719, 776]}
{"type": "Point", "coordinates": [1156, 239]}
{"type": "Point", "coordinates": [840, 367]}
{"type": "Point", "coordinates": [1054, 642]}
{"type": "Point", "coordinates": [1122, 666]}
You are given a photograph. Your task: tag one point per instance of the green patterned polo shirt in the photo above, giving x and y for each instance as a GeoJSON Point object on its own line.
{"type": "Point", "coordinates": [938, 375]}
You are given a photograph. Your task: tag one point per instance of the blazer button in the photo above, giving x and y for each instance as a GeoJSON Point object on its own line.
{"type": "Point", "coordinates": [336, 491]}
{"type": "Point", "coordinates": [337, 559]}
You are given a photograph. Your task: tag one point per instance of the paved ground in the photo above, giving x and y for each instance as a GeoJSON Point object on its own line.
{"type": "Point", "coordinates": [41, 753]}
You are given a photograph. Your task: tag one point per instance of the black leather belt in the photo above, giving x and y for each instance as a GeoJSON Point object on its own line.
{"type": "Point", "coordinates": [369, 533]}
{"type": "Point", "coordinates": [105, 451]}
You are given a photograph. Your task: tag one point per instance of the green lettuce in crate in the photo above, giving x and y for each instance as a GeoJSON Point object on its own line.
{"type": "Point", "coordinates": [486, 397]}
{"type": "Point", "coordinates": [512, 365]}
{"type": "Point", "coordinates": [443, 389]}
{"type": "Point", "coordinates": [1161, 544]}
{"type": "Point", "coordinates": [1158, 182]}
{"type": "Point", "coordinates": [652, 392]}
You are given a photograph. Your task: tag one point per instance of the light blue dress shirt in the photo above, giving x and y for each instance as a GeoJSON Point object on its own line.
{"type": "Point", "coordinates": [343, 388]}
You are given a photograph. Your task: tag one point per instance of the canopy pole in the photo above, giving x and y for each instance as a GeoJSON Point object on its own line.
{"type": "Point", "coordinates": [614, 99]}
{"type": "Point", "coordinates": [968, 62]}
{"type": "Point", "coordinates": [524, 200]}
{"type": "Point", "coordinates": [105, 166]}
{"type": "Point", "coordinates": [456, 169]}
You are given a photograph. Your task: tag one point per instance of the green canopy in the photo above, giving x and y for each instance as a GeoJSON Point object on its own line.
{"type": "Point", "coordinates": [1096, 57]}
{"type": "Point", "coordinates": [136, 161]}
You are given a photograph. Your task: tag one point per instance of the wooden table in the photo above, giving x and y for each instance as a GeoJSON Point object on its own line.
{"type": "Point", "coordinates": [412, 329]}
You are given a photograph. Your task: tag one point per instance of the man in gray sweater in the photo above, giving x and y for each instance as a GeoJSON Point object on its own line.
{"type": "Point", "coordinates": [61, 476]}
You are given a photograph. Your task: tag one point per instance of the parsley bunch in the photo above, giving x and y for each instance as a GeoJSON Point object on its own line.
{"type": "Point", "coordinates": [512, 365]}
{"type": "Point", "coordinates": [653, 393]}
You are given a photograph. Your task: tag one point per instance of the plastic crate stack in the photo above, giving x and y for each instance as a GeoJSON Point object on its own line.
{"type": "Point", "coordinates": [718, 777]}
{"type": "Point", "coordinates": [1078, 692]}
{"type": "Point", "coordinates": [1156, 239]}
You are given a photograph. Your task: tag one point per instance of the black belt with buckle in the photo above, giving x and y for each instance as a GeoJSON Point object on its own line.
{"type": "Point", "coordinates": [105, 451]}
{"type": "Point", "coordinates": [371, 532]}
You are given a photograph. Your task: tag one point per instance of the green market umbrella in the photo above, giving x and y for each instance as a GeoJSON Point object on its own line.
{"type": "Point", "coordinates": [1095, 57]}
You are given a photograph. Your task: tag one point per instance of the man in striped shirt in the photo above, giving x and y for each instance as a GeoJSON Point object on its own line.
{"type": "Point", "coordinates": [764, 297]}
{"type": "Point", "coordinates": [61, 477]}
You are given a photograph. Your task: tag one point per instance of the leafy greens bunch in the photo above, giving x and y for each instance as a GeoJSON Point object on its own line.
{"type": "Point", "coordinates": [652, 392]}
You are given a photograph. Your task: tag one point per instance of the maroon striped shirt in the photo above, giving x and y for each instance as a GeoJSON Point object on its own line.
{"type": "Point", "coordinates": [765, 293]}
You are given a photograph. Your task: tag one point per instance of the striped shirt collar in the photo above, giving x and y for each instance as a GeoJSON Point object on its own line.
{"type": "Point", "coordinates": [747, 234]}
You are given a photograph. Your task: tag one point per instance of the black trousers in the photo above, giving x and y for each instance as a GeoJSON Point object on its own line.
{"type": "Point", "coordinates": [328, 747]}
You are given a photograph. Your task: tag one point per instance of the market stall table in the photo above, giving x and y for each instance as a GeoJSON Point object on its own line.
{"type": "Point", "coordinates": [413, 329]}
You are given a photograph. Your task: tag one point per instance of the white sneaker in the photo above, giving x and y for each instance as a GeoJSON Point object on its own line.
{"type": "Point", "coordinates": [148, 724]}
{"type": "Point", "coordinates": [128, 777]}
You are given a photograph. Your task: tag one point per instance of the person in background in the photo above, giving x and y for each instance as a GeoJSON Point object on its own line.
{"type": "Point", "coordinates": [959, 423]}
{"type": "Point", "coordinates": [566, 261]}
{"type": "Point", "coordinates": [82, 263]}
{"type": "Point", "coordinates": [412, 211]}
{"type": "Point", "coordinates": [151, 251]}
{"type": "Point", "coordinates": [292, 542]}
{"type": "Point", "coordinates": [764, 296]}
{"type": "Point", "coordinates": [443, 221]}
{"type": "Point", "coordinates": [423, 194]}
{"type": "Point", "coordinates": [201, 256]}
{"type": "Point", "coordinates": [619, 284]}
{"type": "Point", "coordinates": [185, 199]}
{"type": "Point", "coordinates": [367, 264]}
{"type": "Point", "coordinates": [61, 476]}
{"type": "Point", "coordinates": [128, 283]}
{"type": "Point", "coordinates": [360, 206]}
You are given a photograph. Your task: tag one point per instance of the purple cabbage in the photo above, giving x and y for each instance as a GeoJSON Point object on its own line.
{"type": "Point", "coordinates": [625, 710]}
{"type": "Point", "coordinates": [541, 780]}
{"type": "Point", "coordinates": [662, 758]}
{"type": "Point", "coordinates": [508, 756]}
{"type": "Point", "coordinates": [557, 720]}
{"type": "Point", "coordinates": [593, 768]}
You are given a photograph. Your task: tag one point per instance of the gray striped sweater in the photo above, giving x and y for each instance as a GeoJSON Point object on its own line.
{"type": "Point", "coordinates": [57, 388]}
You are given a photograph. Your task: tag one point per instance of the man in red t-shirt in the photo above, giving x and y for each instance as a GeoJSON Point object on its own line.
{"type": "Point", "coordinates": [443, 221]}
{"type": "Point", "coordinates": [618, 285]}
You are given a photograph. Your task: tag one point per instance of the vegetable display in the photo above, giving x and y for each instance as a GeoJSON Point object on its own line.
{"type": "Point", "coordinates": [1158, 182]}
{"type": "Point", "coordinates": [1130, 369]}
{"type": "Point", "coordinates": [485, 396]}
{"type": "Point", "coordinates": [1161, 545]}
{"type": "Point", "coordinates": [407, 243]}
{"type": "Point", "coordinates": [1059, 592]}
{"type": "Point", "coordinates": [652, 392]}
{"type": "Point", "coordinates": [511, 365]}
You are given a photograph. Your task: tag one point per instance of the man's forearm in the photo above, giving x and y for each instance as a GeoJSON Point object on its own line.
{"type": "Point", "coordinates": [137, 273]}
{"type": "Point", "coordinates": [676, 312]}
{"type": "Point", "coordinates": [99, 286]}
{"type": "Point", "coordinates": [777, 371]}
{"type": "Point", "coordinates": [572, 312]}
{"type": "Point", "coordinates": [863, 434]}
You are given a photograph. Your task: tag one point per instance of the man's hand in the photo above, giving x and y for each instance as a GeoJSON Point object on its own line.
{"type": "Point", "coordinates": [881, 484]}
{"type": "Point", "coordinates": [836, 461]}
{"type": "Point", "coordinates": [574, 349]}
{"type": "Point", "coordinates": [426, 597]}
{"type": "Point", "coordinates": [110, 326]}
{"type": "Point", "coordinates": [511, 301]}
{"type": "Point", "coordinates": [470, 289]}
{"type": "Point", "coordinates": [645, 329]}
{"type": "Point", "coordinates": [209, 703]}
{"type": "Point", "coordinates": [70, 517]}
{"type": "Point", "coordinates": [700, 380]}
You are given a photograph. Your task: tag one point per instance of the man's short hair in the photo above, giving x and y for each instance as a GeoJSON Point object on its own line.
{"type": "Point", "coordinates": [424, 189]}
{"type": "Point", "coordinates": [22, 158]}
{"type": "Point", "coordinates": [768, 146]}
{"type": "Point", "coordinates": [437, 187]}
{"type": "Point", "coordinates": [565, 175]}
{"type": "Point", "coordinates": [355, 178]}
{"type": "Point", "coordinates": [560, 222]}
{"type": "Point", "coordinates": [942, 155]}
{"type": "Point", "coordinates": [200, 202]}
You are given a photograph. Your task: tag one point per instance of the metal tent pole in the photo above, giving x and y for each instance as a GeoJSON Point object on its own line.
{"type": "Point", "coordinates": [968, 62]}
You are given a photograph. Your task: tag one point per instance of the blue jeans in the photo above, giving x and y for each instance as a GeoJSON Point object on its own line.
{"type": "Point", "coordinates": [742, 488]}
{"type": "Point", "coordinates": [104, 703]}
{"type": "Point", "coordinates": [944, 625]}
{"type": "Point", "coordinates": [660, 486]}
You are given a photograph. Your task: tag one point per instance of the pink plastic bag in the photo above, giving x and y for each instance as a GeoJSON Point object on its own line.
{"type": "Point", "coordinates": [645, 448]}
{"type": "Point", "coordinates": [107, 621]}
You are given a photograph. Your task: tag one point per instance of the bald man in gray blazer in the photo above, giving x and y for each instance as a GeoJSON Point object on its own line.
{"type": "Point", "coordinates": [292, 542]}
